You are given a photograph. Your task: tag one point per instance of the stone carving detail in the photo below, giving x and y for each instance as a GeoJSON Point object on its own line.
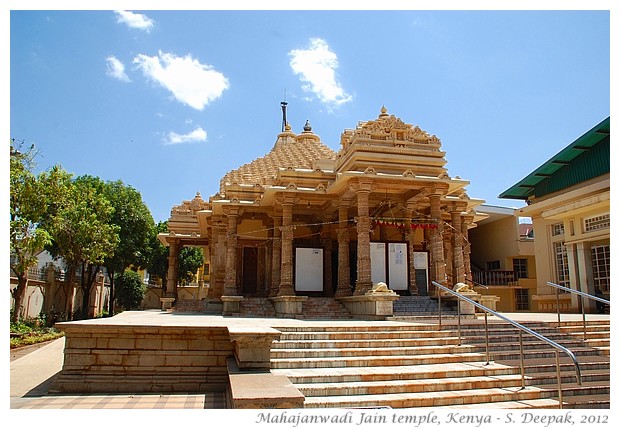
{"type": "Point", "coordinates": [462, 288]}
{"type": "Point", "coordinates": [388, 127]}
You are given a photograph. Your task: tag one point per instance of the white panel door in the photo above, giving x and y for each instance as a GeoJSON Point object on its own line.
{"type": "Point", "coordinates": [308, 269]}
{"type": "Point", "coordinates": [397, 263]}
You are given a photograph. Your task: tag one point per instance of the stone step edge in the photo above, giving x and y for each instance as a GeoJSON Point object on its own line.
{"type": "Point", "coordinates": [422, 399]}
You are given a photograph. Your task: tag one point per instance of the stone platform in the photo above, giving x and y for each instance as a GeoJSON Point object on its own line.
{"type": "Point", "coordinates": [167, 353]}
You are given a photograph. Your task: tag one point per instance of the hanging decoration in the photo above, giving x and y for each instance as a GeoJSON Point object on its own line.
{"type": "Point", "coordinates": [401, 224]}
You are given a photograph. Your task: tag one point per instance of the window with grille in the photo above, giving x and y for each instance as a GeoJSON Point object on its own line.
{"type": "Point", "coordinates": [561, 264]}
{"type": "Point", "coordinates": [596, 223]}
{"type": "Point", "coordinates": [519, 266]}
{"type": "Point", "coordinates": [557, 229]}
{"type": "Point", "coordinates": [601, 267]}
{"type": "Point", "coordinates": [522, 299]}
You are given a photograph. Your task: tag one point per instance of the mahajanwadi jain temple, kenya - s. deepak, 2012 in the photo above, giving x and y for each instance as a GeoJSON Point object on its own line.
{"type": "Point", "coordinates": [306, 221]}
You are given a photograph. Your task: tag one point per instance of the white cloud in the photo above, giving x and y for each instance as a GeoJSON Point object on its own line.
{"type": "Point", "coordinates": [116, 69]}
{"type": "Point", "coordinates": [316, 67]}
{"type": "Point", "coordinates": [198, 135]}
{"type": "Point", "coordinates": [134, 20]}
{"type": "Point", "coordinates": [189, 81]}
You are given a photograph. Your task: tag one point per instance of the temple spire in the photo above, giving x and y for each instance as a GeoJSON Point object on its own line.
{"type": "Point", "coordinates": [284, 104]}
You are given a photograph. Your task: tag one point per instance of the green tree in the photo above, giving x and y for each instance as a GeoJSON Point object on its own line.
{"type": "Point", "coordinates": [83, 235]}
{"type": "Point", "coordinates": [27, 207]}
{"type": "Point", "coordinates": [130, 289]}
{"type": "Point", "coordinates": [158, 258]}
{"type": "Point", "coordinates": [190, 259]}
{"type": "Point", "coordinates": [135, 230]}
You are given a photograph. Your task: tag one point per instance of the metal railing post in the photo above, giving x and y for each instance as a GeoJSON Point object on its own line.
{"type": "Point", "coordinates": [557, 365]}
{"type": "Point", "coordinates": [486, 330]}
{"type": "Point", "coordinates": [522, 361]}
{"type": "Point", "coordinates": [439, 295]}
{"type": "Point", "coordinates": [557, 303]}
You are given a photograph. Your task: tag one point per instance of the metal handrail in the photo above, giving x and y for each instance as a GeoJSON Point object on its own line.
{"type": "Point", "coordinates": [582, 295]}
{"type": "Point", "coordinates": [522, 329]}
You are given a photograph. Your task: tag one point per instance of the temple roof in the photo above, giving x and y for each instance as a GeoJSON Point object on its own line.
{"type": "Point", "coordinates": [290, 151]}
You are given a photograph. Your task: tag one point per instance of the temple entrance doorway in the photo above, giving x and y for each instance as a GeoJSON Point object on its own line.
{"type": "Point", "coordinates": [249, 274]}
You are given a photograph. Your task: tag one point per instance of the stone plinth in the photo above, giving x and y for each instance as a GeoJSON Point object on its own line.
{"type": "Point", "coordinates": [288, 305]}
{"type": "Point", "coordinates": [166, 303]}
{"type": "Point", "coordinates": [253, 346]}
{"type": "Point", "coordinates": [118, 355]}
{"type": "Point", "coordinates": [489, 301]}
{"type": "Point", "coordinates": [231, 304]}
{"type": "Point", "coordinates": [371, 305]}
{"type": "Point", "coordinates": [260, 389]}
{"type": "Point", "coordinates": [467, 308]}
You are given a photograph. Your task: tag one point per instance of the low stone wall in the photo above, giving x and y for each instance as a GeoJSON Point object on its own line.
{"type": "Point", "coordinates": [134, 359]}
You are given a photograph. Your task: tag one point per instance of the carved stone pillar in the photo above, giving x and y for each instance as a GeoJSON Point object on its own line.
{"type": "Point", "coordinates": [276, 256]}
{"type": "Point", "coordinates": [447, 253]}
{"type": "Point", "coordinates": [364, 279]}
{"type": "Point", "coordinates": [326, 242]}
{"type": "Point", "coordinates": [230, 281]}
{"type": "Point", "coordinates": [286, 270]}
{"type": "Point", "coordinates": [410, 237]}
{"type": "Point", "coordinates": [458, 270]}
{"type": "Point", "coordinates": [438, 265]}
{"type": "Point", "coordinates": [467, 220]}
{"type": "Point", "coordinates": [173, 269]}
{"type": "Point", "coordinates": [218, 259]}
{"type": "Point", "coordinates": [344, 270]}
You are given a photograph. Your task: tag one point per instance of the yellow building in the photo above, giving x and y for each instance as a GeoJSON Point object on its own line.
{"type": "Point", "coordinates": [502, 258]}
{"type": "Point", "coordinates": [568, 199]}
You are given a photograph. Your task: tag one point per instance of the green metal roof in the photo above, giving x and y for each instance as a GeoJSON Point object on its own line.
{"type": "Point", "coordinates": [583, 159]}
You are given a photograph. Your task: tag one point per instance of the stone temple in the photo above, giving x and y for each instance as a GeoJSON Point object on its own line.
{"type": "Point", "coordinates": [307, 221]}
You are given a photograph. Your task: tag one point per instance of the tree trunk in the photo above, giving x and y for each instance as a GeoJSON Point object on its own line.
{"type": "Point", "coordinates": [87, 287]}
{"type": "Point", "coordinates": [111, 298]}
{"type": "Point", "coordinates": [18, 296]}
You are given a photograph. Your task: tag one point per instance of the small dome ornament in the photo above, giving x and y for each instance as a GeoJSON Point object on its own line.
{"type": "Point", "coordinates": [383, 112]}
{"type": "Point", "coordinates": [307, 126]}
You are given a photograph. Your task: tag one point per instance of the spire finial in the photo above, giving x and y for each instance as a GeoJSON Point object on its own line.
{"type": "Point", "coordinates": [383, 111]}
{"type": "Point", "coordinates": [307, 126]}
{"type": "Point", "coordinates": [284, 122]}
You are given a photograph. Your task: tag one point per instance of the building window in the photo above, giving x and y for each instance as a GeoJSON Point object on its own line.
{"type": "Point", "coordinates": [519, 266]}
{"type": "Point", "coordinates": [492, 265]}
{"type": "Point", "coordinates": [601, 268]}
{"type": "Point", "coordinates": [557, 229]}
{"type": "Point", "coordinates": [561, 264]}
{"type": "Point", "coordinates": [522, 299]}
{"type": "Point", "coordinates": [596, 223]}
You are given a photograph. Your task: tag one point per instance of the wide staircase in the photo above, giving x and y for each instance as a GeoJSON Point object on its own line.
{"type": "Point", "coordinates": [402, 365]}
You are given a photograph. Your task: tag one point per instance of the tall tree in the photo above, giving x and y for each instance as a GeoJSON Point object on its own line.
{"type": "Point", "coordinates": [135, 231]}
{"type": "Point", "coordinates": [27, 207]}
{"type": "Point", "coordinates": [83, 235]}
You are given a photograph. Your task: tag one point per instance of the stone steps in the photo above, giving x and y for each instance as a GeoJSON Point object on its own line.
{"type": "Point", "coordinates": [323, 308]}
{"type": "Point", "coordinates": [420, 306]}
{"type": "Point", "coordinates": [415, 365]}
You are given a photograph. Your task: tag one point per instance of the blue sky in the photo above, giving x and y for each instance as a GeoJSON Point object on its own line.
{"type": "Point", "coordinates": [169, 101]}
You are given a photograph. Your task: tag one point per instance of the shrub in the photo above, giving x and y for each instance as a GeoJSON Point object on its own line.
{"type": "Point", "coordinates": [129, 290]}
